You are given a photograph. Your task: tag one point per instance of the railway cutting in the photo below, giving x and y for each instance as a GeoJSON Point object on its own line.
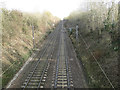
{"type": "Point", "coordinates": [54, 66]}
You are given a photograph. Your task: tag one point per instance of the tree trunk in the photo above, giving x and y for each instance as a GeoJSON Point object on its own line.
{"type": "Point", "coordinates": [119, 43]}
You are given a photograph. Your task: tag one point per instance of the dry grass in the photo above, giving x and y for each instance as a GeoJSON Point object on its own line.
{"type": "Point", "coordinates": [17, 43]}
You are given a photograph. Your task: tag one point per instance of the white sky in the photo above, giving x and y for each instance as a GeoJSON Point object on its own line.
{"type": "Point", "coordinates": [60, 8]}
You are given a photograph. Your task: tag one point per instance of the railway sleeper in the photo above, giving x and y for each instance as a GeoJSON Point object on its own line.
{"type": "Point", "coordinates": [24, 83]}
{"type": "Point", "coordinates": [43, 80]}
{"type": "Point", "coordinates": [71, 82]}
{"type": "Point", "coordinates": [71, 85]}
{"type": "Point", "coordinates": [61, 76]}
{"type": "Point", "coordinates": [37, 71]}
{"type": "Point", "coordinates": [42, 83]}
{"type": "Point", "coordinates": [61, 86]}
{"type": "Point", "coordinates": [63, 82]}
{"type": "Point", "coordinates": [62, 69]}
{"type": "Point", "coordinates": [41, 86]}
{"type": "Point", "coordinates": [26, 80]}
{"type": "Point", "coordinates": [35, 75]}
{"type": "Point", "coordinates": [62, 79]}
{"type": "Point", "coordinates": [33, 84]}
{"type": "Point", "coordinates": [35, 80]}
{"type": "Point", "coordinates": [22, 86]}
{"type": "Point", "coordinates": [45, 75]}
{"type": "Point", "coordinates": [61, 72]}
{"type": "Point", "coordinates": [45, 72]}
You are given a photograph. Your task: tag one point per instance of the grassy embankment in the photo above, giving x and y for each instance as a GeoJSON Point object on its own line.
{"type": "Point", "coordinates": [17, 43]}
{"type": "Point", "coordinates": [102, 41]}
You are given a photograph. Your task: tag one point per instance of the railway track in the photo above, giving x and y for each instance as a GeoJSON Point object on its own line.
{"type": "Point", "coordinates": [37, 76]}
{"type": "Point", "coordinates": [62, 77]}
{"type": "Point", "coordinates": [53, 66]}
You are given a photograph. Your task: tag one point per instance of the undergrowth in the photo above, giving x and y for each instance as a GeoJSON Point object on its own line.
{"type": "Point", "coordinates": [17, 40]}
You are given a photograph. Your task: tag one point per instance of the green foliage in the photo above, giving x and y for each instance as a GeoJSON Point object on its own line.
{"type": "Point", "coordinates": [98, 27]}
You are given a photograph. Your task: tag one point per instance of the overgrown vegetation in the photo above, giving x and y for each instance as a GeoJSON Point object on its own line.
{"type": "Point", "coordinates": [98, 39]}
{"type": "Point", "coordinates": [17, 43]}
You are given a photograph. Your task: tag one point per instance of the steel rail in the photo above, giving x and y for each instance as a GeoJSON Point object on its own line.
{"type": "Point", "coordinates": [66, 61]}
{"type": "Point", "coordinates": [47, 45]}
{"type": "Point", "coordinates": [52, 50]}
{"type": "Point", "coordinates": [57, 64]}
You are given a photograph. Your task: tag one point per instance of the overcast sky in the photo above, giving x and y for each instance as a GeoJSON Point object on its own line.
{"type": "Point", "coordinates": [60, 8]}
